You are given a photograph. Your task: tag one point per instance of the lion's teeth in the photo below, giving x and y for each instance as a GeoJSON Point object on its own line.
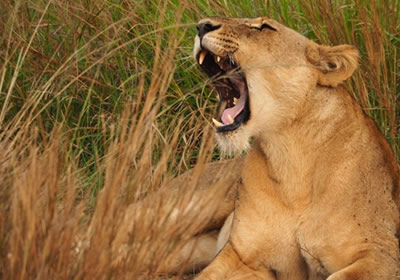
{"type": "Point", "coordinates": [217, 123]}
{"type": "Point", "coordinates": [235, 101]}
{"type": "Point", "coordinates": [202, 56]}
{"type": "Point", "coordinates": [218, 59]}
{"type": "Point", "coordinates": [230, 119]}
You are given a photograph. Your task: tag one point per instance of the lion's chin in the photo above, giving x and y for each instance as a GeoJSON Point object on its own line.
{"type": "Point", "coordinates": [234, 142]}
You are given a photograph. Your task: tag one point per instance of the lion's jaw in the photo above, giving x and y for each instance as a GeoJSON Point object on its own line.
{"type": "Point", "coordinates": [271, 67]}
{"type": "Point", "coordinates": [273, 107]}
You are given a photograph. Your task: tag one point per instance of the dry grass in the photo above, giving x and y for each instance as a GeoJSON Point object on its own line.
{"type": "Point", "coordinates": [101, 104]}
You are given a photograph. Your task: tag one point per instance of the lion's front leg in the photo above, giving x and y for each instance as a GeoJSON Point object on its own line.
{"type": "Point", "coordinates": [196, 254]}
{"type": "Point", "coordinates": [228, 265]}
{"type": "Point", "coordinates": [371, 267]}
{"type": "Point", "coordinates": [183, 218]}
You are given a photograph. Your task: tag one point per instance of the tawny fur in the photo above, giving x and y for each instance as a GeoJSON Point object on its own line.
{"type": "Point", "coordinates": [190, 210]}
{"type": "Point", "coordinates": [317, 195]}
{"type": "Point", "coordinates": [320, 183]}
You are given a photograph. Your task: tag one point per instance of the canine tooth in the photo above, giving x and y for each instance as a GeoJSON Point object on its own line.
{"type": "Point", "coordinates": [202, 56]}
{"type": "Point", "coordinates": [230, 119]}
{"type": "Point", "coordinates": [235, 101]}
{"type": "Point", "coordinates": [218, 59]}
{"type": "Point", "coordinates": [217, 123]}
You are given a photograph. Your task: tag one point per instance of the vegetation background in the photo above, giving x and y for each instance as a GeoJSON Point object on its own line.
{"type": "Point", "coordinates": [105, 95]}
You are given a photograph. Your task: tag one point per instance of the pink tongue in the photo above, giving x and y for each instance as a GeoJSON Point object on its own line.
{"type": "Point", "coordinates": [236, 110]}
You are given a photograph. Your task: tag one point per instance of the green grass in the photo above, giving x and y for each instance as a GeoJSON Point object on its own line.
{"type": "Point", "coordinates": [85, 61]}
{"type": "Point", "coordinates": [114, 81]}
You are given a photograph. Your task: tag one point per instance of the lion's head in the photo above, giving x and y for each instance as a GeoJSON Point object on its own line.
{"type": "Point", "coordinates": [264, 74]}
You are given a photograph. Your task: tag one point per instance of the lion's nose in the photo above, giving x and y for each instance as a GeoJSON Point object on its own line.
{"type": "Point", "coordinates": [206, 27]}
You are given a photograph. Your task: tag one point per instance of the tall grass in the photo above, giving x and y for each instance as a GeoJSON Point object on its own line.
{"type": "Point", "coordinates": [101, 104]}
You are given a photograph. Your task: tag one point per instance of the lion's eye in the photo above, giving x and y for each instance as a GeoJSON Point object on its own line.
{"type": "Point", "coordinates": [264, 26]}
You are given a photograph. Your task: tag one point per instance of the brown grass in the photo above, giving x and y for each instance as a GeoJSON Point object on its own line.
{"type": "Point", "coordinates": [101, 105]}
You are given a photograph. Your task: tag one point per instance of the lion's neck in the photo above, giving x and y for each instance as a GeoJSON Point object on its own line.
{"type": "Point", "coordinates": [294, 152]}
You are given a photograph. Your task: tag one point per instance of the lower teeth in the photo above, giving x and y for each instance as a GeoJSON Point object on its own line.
{"type": "Point", "coordinates": [230, 119]}
{"type": "Point", "coordinates": [217, 123]}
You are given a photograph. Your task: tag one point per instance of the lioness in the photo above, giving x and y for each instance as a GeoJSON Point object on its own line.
{"type": "Point", "coordinates": [319, 186]}
{"type": "Point", "coordinates": [319, 193]}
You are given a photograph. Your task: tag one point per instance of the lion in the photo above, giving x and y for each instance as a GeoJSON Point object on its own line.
{"type": "Point", "coordinates": [319, 192]}
{"type": "Point", "coordinates": [316, 195]}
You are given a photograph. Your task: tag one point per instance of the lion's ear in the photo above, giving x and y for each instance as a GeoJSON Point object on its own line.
{"type": "Point", "coordinates": [336, 64]}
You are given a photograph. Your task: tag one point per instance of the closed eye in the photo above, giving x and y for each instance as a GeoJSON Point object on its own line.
{"type": "Point", "coordinates": [264, 26]}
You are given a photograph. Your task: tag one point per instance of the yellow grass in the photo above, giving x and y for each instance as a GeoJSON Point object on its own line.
{"type": "Point", "coordinates": [101, 105]}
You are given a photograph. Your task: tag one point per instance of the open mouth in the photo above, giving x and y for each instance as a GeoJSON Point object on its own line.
{"type": "Point", "coordinates": [230, 83]}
